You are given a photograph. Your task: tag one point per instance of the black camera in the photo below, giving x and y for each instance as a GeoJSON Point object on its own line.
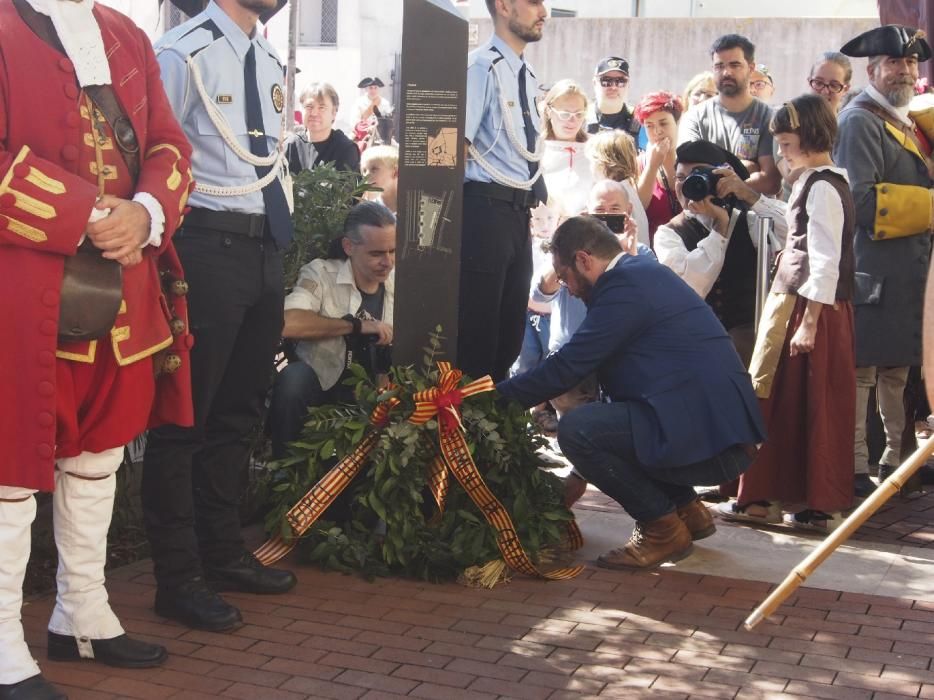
{"type": "Point", "coordinates": [700, 184]}
{"type": "Point", "coordinates": [615, 222]}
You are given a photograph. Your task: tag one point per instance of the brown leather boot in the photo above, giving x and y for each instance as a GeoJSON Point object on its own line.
{"type": "Point", "coordinates": [651, 544]}
{"type": "Point", "coordinates": [698, 519]}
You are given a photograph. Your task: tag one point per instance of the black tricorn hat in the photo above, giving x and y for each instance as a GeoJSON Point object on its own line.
{"type": "Point", "coordinates": [366, 82]}
{"type": "Point", "coordinates": [889, 40]}
{"type": "Point", "coordinates": [711, 154]}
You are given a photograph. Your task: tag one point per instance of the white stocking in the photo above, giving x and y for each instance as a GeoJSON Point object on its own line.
{"type": "Point", "coordinates": [82, 506]}
{"type": "Point", "coordinates": [17, 511]}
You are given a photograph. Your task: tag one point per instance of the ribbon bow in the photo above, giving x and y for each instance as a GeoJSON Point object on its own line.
{"type": "Point", "coordinates": [444, 400]}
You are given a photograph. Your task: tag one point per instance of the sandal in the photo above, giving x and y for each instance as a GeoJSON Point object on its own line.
{"type": "Point", "coordinates": [815, 520]}
{"type": "Point", "coordinates": [761, 512]}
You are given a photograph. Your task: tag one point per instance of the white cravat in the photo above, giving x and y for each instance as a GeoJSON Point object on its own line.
{"type": "Point", "coordinates": [81, 38]}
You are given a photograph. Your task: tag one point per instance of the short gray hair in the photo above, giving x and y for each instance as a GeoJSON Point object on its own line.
{"type": "Point", "coordinates": [318, 91]}
{"type": "Point", "coordinates": [366, 213]}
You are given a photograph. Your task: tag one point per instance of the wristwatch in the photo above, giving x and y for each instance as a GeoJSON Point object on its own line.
{"type": "Point", "coordinates": [356, 322]}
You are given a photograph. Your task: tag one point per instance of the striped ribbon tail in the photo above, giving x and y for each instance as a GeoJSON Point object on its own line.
{"type": "Point", "coordinates": [457, 455]}
{"type": "Point", "coordinates": [438, 484]}
{"type": "Point", "coordinates": [319, 498]}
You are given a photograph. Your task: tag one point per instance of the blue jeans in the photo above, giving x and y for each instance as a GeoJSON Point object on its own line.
{"type": "Point", "coordinates": [597, 439]}
{"type": "Point", "coordinates": [297, 389]}
{"type": "Point", "coordinates": [534, 343]}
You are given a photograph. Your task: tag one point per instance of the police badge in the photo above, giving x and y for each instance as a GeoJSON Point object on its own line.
{"type": "Point", "coordinates": [278, 98]}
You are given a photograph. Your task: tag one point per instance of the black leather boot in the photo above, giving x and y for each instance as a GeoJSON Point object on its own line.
{"type": "Point", "coordinates": [195, 605]}
{"type": "Point", "coordinates": [34, 688]}
{"type": "Point", "coordinates": [248, 575]}
{"type": "Point", "coordinates": [122, 651]}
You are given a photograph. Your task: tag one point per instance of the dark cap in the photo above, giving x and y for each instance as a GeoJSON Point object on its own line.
{"type": "Point", "coordinates": [889, 40]}
{"type": "Point", "coordinates": [366, 82]}
{"type": "Point", "coordinates": [710, 154]}
{"type": "Point", "coordinates": [611, 63]}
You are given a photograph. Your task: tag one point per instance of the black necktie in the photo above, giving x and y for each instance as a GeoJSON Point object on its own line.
{"type": "Point", "coordinates": [277, 208]}
{"type": "Point", "coordinates": [530, 137]}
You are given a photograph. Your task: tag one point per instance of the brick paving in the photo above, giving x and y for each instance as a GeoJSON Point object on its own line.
{"type": "Point", "coordinates": [605, 634]}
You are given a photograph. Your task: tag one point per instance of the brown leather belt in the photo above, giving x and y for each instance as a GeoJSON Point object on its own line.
{"type": "Point", "coordinates": [238, 223]}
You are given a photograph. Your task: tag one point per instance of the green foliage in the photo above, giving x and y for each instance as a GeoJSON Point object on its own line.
{"type": "Point", "coordinates": [390, 523]}
{"type": "Point", "coordinates": [323, 196]}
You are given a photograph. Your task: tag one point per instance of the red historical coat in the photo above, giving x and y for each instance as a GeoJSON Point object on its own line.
{"type": "Point", "coordinates": [55, 158]}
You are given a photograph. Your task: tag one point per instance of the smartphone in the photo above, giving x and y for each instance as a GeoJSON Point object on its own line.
{"type": "Point", "coordinates": [615, 222]}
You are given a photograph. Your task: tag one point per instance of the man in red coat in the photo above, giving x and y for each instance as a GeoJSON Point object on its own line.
{"type": "Point", "coordinates": [90, 155]}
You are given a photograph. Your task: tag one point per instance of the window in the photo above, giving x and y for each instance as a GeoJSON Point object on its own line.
{"type": "Point", "coordinates": [317, 21]}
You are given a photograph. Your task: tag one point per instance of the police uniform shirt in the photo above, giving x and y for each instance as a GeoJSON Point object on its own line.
{"type": "Point", "coordinates": [219, 46]}
{"type": "Point", "coordinates": [484, 124]}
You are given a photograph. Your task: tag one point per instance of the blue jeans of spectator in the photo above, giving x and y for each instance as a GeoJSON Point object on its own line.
{"type": "Point", "coordinates": [534, 342]}
{"type": "Point", "coordinates": [598, 441]}
{"type": "Point", "coordinates": [296, 389]}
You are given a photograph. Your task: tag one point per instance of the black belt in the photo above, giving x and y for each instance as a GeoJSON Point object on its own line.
{"type": "Point", "coordinates": [249, 225]}
{"type": "Point", "coordinates": [524, 199]}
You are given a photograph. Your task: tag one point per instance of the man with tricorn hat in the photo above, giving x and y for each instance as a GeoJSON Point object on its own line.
{"type": "Point", "coordinates": [888, 162]}
{"type": "Point", "coordinates": [94, 176]}
{"type": "Point", "coordinates": [371, 103]}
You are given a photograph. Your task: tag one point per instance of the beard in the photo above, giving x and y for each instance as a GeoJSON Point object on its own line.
{"type": "Point", "coordinates": [583, 286]}
{"type": "Point", "coordinates": [611, 105]}
{"type": "Point", "coordinates": [900, 95]}
{"type": "Point", "coordinates": [730, 87]}
{"type": "Point", "coordinates": [257, 6]}
{"type": "Point", "coordinates": [528, 34]}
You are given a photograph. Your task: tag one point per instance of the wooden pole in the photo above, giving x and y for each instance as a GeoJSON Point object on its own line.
{"type": "Point", "coordinates": [800, 573]}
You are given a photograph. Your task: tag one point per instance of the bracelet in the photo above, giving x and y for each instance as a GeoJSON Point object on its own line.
{"type": "Point", "coordinates": [356, 322]}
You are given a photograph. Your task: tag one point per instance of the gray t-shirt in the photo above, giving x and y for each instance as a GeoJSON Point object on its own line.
{"type": "Point", "coordinates": [745, 134]}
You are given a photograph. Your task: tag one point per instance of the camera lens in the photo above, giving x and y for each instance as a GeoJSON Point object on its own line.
{"type": "Point", "coordinates": [695, 187]}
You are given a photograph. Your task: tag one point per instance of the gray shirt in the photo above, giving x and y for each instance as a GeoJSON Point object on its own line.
{"type": "Point", "coordinates": [745, 134]}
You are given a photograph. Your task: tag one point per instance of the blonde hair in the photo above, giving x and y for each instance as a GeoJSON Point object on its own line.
{"type": "Point", "coordinates": [564, 88]}
{"type": "Point", "coordinates": [696, 82]}
{"type": "Point", "coordinates": [385, 155]}
{"type": "Point", "coordinates": [614, 154]}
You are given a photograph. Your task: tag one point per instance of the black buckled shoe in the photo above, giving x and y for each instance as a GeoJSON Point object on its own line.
{"type": "Point", "coordinates": [863, 486]}
{"type": "Point", "coordinates": [248, 575]}
{"type": "Point", "coordinates": [197, 606]}
{"type": "Point", "coordinates": [122, 651]}
{"type": "Point", "coordinates": [33, 688]}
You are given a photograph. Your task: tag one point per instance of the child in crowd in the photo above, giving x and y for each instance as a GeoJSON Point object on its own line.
{"type": "Point", "coordinates": [544, 221]}
{"type": "Point", "coordinates": [380, 166]}
{"type": "Point", "coordinates": [803, 363]}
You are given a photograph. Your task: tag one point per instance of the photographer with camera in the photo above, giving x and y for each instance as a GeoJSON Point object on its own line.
{"type": "Point", "coordinates": [340, 311]}
{"type": "Point", "coordinates": [709, 244]}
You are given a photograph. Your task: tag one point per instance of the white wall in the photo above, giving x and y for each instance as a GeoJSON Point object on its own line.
{"type": "Point", "coordinates": [703, 8]}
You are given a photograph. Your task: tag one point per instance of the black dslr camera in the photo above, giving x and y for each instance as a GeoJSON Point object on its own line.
{"type": "Point", "coordinates": [701, 183]}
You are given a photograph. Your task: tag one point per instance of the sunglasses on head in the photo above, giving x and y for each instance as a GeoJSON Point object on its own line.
{"type": "Point", "coordinates": [614, 82]}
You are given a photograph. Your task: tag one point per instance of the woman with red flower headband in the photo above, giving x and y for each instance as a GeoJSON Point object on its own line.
{"type": "Point", "coordinates": [659, 112]}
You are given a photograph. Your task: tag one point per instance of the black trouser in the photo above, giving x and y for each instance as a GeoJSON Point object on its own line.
{"type": "Point", "coordinates": [496, 269]}
{"type": "Point", "coordinates": [192, 476]}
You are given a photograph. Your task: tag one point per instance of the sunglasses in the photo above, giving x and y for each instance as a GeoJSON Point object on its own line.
{"type": "Point", "coordinates": [833, 86]}
{"type": "Point", "coordinates": [614, 82]}
{"type": "Point", "coordinates": [566, 116]}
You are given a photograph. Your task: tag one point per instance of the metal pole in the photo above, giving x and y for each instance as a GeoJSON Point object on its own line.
{"type": "Point", "coordinates": [290, 72]}
{"type": "Point", "coordinates": [763, 259]}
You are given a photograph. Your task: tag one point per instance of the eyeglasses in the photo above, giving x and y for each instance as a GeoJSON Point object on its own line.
{"type": "Point", "coordinates": [819, 85]}
{"type": "Point", "coordinates": [614, 82]}
{"type": "Point", "coordinates": [567, 116]}
{"type": "Point", "coordinates": [759, 84]}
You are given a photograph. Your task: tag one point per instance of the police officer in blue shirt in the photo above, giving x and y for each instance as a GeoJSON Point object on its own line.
{"type": "Point", "coordinates": [224, 81]}
{"type": "Point", "coordinates": [502, 183]}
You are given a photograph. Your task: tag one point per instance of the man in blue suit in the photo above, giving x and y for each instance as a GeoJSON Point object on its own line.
{"type": "Point", "coordinates": [682, 411]}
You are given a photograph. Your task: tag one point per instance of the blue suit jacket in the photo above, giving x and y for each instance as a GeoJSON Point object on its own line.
{"type": "Point", "coordinates": [654, 343]}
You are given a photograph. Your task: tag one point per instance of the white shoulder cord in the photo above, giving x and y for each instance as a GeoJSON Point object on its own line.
{"type": "Point", "coordinates": [533, 157]}
{"type": "Point", "coordinates": [275, 161]}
